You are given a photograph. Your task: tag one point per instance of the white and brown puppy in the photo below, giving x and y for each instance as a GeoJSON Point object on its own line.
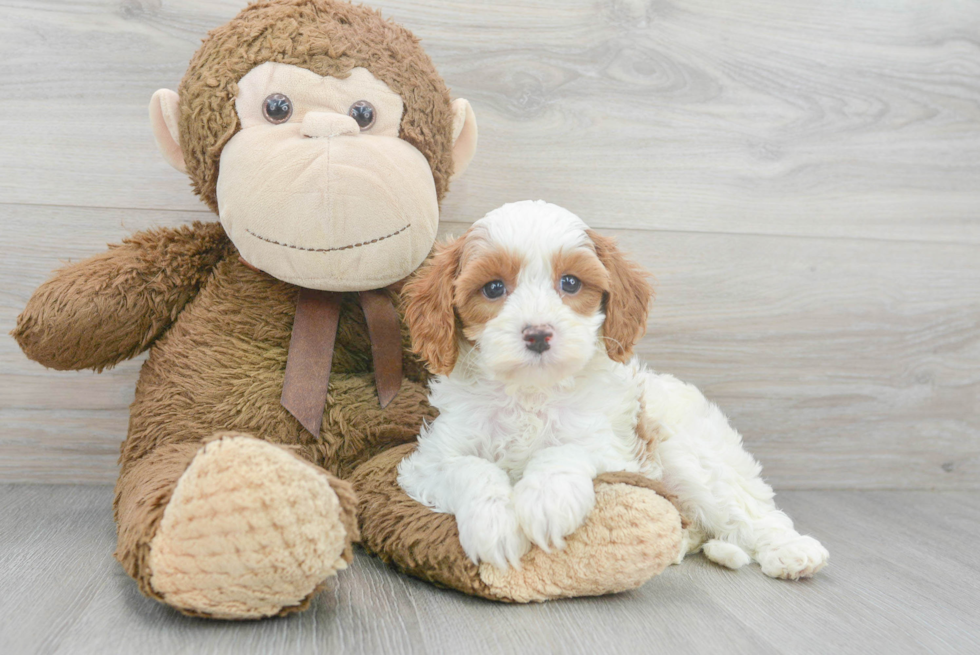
{"type": "Point", "coordinates": [529, 320]}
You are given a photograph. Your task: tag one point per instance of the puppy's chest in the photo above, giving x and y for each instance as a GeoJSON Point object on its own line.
{"type": "Point", "coordinates": [528, 424]}
{"type": "Point", "coordinates": [517, 428]}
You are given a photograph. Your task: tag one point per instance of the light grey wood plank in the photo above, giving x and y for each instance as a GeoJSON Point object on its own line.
{"type": "Point", "coordinates": [56, 548]}
{"type": "Point", "coordinates": [61, 446]}
{"type": "Point", "coordinates": [887, 588]}
{"type": "Point", "coordinates": [841, 118]}
{"type": "Point", "coordinates": [893, 586]}
{"type": "Point", "coordinates": [844, 363]}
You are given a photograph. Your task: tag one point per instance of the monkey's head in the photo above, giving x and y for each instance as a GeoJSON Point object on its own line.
{"type": "Point", "coordinates": [324, 139]}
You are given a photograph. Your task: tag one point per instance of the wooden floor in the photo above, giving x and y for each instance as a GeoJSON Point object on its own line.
{"type": "Point", "coordinates": [904, 578]}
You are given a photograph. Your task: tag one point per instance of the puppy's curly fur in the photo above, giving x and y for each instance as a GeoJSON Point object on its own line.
{"type": "Point", "coordinates": [530, 321]}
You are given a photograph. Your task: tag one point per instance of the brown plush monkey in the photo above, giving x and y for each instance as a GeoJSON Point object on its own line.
{"type": "Point", "coordinates": [324, 139]}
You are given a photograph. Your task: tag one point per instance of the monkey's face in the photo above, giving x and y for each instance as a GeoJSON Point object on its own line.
{"type": "Point", "coordinates": [317, 189]}
{"type": "Point", "coordinates": [327, 161]}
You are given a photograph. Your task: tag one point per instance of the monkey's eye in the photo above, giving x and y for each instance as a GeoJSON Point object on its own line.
{"type": "Point", "coordinates": [363, 113]}
{"type": "Point", "coordinates": [277, 108]}
{"type": "Point", "coordinates": [494, 289]}
{"type": "Point", "coordinates": [570, 284]}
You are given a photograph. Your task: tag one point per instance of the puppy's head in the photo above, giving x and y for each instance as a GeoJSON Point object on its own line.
{"type": "Point", "coordinates": [533, 290]}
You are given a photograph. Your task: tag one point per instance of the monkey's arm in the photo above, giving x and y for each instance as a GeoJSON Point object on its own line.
{"type": "Point", "coordinates": [110, 307]}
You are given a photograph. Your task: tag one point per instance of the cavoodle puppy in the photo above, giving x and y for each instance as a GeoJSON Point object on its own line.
{"type": "Point", "coordinates": [529, 321]}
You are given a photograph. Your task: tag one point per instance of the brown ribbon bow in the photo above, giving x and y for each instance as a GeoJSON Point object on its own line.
{"type": "Point", "coordinates": [304, 390]}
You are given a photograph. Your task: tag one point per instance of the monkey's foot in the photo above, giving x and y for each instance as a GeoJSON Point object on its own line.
{"type": "Point", "coordinates": [250, 531]}
{"type": "Point", "coordinates": [630, 536]}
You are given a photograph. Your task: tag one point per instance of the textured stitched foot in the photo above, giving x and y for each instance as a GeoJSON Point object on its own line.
{"type": "Point", "coordinates": [631, 535]}
{"type": "Point", "coordinates": [250, 530]}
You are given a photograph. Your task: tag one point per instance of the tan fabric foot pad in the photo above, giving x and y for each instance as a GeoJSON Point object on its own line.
{"type": "Point", "coordinates": [632, 535]}
{"type": "Point", "coordinates": [250, 531]}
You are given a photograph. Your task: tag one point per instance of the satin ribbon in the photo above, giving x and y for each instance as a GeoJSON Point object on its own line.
{"type": "Point", "coordinates": [311, 345]}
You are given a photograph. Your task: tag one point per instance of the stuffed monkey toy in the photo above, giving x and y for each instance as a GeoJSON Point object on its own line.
{"type": "Point", "coordinates": [279, 393]}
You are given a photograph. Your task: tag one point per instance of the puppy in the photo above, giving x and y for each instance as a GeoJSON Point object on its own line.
{"type": "Point", "coordinates": [529, 321]}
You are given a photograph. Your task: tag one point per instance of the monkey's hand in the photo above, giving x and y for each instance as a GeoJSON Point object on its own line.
{"type": "Point", "coordinates": [110, 307]}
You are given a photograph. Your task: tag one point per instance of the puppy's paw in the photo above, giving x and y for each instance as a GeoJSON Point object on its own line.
{"type": "Point", "coordinates": [550, 506]}
{"type": "Point", "coordinates": [798, 558]}
{"type": "Point", "coordinates": [490, 533]}
{"type": "Point", "coordinates": [728, 555]}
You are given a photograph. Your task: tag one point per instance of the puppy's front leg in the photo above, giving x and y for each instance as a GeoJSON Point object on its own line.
{"type": "Point", "coordinates": [478, 493]}
{"type": "Point", "coordinates": [555, 494]}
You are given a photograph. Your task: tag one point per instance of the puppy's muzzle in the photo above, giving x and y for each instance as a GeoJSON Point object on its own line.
{"type": "Point", "coordinates": [536, 337]}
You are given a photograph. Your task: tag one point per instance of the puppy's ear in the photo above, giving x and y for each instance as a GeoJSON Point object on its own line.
{"type": "Point", "coordinates": [429, 312]}
{"type": "Point", "coordinates": [628, 300]}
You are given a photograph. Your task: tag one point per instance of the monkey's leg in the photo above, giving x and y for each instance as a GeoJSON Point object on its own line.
{"type": "Point", "coordinates": [232, 527]}
{"type": "Point", "coordinates": [631, 535]}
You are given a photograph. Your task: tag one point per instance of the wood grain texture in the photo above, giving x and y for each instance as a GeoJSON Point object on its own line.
{"type": "Point", "coordinates": [845, 118]}
{"type": "Point", "coordinates": [800, 177]}
{"type": "Point", "coordinates": [903, 578]}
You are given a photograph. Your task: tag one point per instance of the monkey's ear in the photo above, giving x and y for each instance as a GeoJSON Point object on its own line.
{"type": "Point", "coordinates": [464, 136]}
{"type": "Point", "coordinates": [164, 115]}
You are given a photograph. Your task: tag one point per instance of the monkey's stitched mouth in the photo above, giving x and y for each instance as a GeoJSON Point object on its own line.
{"type": "Point", "coordinates": [335, 249]}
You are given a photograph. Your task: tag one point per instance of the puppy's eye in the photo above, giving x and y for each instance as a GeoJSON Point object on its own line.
{"type": "Point", "coordinates": [570, 284]}
{"type": "Point", "coordinates": [494, 289]}
{"type": "Point", "coordinates": [277, 108]}
{"type": "Point", "coordinates": [363, 113]}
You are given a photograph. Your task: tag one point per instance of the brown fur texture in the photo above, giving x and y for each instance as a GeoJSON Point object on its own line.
{"type": "Point", "coordinates": [429, 307]}
{"type": "Point", "coordinates": [329, 38]}
{"type": "Point", "coordinates": [106, 309]}
{"type": "Point", "coordinates": [628, 301]}
{"type": "Point", "coordinates": [474, 309]}
{"type": "Point", "coordinates": [221, 367]}
{"type": "Point", "coordinates": [591, 273]}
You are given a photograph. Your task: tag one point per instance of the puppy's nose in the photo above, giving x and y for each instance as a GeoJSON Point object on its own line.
{"type": "Point", "coordinates": [328, 124]}
{"type": "Point", "coordinates": [536, 337]}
